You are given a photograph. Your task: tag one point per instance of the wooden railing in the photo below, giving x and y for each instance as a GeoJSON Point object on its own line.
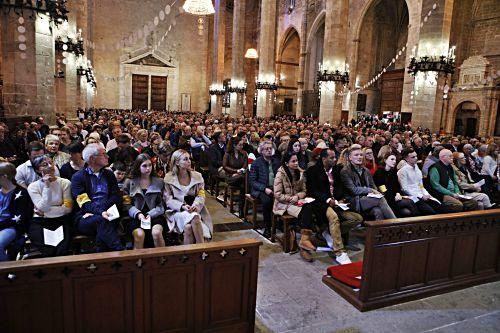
{"type": "Point", "coordinates": [194, 288]}
{"type": "Point", "coordinates": [411, 258]}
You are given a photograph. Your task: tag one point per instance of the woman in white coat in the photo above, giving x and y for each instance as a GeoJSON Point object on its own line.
{"type": "Point", "coordinates": [184, 196]}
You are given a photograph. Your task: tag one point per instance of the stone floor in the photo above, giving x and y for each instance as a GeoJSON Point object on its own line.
{"type": "Point", "coordinates": [292, 298]}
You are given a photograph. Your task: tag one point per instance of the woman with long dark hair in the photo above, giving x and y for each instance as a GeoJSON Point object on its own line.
{"type": "Point", "coordinates": [289, 192]}
{"type": "Point", "coordinates": [146, 211]}
{"type": "Point", "coordinates": [235, 164]}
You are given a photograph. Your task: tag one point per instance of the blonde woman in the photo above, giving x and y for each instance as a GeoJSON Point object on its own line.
{"type": "Point", "coordinates": [184, 196]}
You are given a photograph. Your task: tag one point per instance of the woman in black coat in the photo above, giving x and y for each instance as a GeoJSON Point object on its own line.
{"type": "Point", "coordinates": [387, 183]}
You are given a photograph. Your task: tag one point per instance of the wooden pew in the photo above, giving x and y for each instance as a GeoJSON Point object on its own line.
{"type": "Point", "coordinates": [411, 258]}
{"type": "Point", "coordinates": [190, 288]}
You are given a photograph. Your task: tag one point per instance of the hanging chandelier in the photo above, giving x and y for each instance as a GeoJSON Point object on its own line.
{"type": "Point", "coordinates": [199, 7]}
{"type": "Point", "coordinates": [251, 54]}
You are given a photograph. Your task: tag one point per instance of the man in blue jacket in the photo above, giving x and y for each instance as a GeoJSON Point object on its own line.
{"type": "Point", "coordinates": [95, 190]}
{"type": "Point", "coordinates": [261, 180]}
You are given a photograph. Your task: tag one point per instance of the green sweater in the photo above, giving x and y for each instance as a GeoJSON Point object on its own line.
{"type": "Point", "coordinates": [452, 187]}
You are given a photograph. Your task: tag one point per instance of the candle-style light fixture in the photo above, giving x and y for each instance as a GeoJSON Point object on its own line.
{"type": "Point", "coordinates": [439, 64]}
{"type": "Point", "coordinates": [216, 89]}
{"type": "Point", "coordinates": [55, 9]}
{"type": "Point", "coordinates": [237, 87]}
{"type": "Point", "coordinates": [325, 75]}
{"type": "Point", "coordinates": [266, 82]}
{"type": "Point", "coordinates": [70, 45]}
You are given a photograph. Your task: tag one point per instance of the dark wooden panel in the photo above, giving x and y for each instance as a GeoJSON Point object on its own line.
{"type": "Point", "coordinates": [487, 252]}
{"type": "Point", "coordinates": [104, 303]}
{"type": "Point", "coordinates": [464, 253]}
{"type": "Point", "coordinates": [392, 91]}
{"type": "Point", "coordinates": [413, 265]}
{"type": "Point", "coordinates": [384, 270]}
{"type": "Point", "coordinates": [139, 91]}
{"type": "Point", "coordinates": [463, 250]}
{"type": "Point", "coordinates": [226, 298]}
{"type": "Point", "coordinates": [175, 287]}
{"type": "Point", "coordinates": [42, 301]}
{"type": "Point", "coordinates": [440, 258]}
{"type": "Point", "coordinates": [149, 290]}
{"type": "Point", "coordinates": [158, 92]}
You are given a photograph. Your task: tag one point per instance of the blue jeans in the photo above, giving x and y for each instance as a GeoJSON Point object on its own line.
{"type": "Point", "coordinates": [6, 237]}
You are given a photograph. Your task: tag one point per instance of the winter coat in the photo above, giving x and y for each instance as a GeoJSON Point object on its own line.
{"type": "Point", "coordinates": [153, 197]}
{"type": "Point", "coordinates": [287, 194]}
{"type": "Point", "coordinates": [175, 193]}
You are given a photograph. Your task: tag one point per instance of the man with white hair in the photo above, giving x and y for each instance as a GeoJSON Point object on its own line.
{"type": "Point", "coordinates": [95, 190]}
{"type": "Point", "coordinates": [444, 185]}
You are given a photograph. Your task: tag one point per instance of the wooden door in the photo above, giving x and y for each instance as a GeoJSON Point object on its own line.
{"type": "Point", "coordinates": [158, 92]}
{"type": "Point", "coordinates": [392, 91]}
{"type": "Point", "coordinates": [140, 92]}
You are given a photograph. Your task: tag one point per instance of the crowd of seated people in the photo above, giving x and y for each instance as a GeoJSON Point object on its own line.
{"type": "Point", "coordinates": [69, 177]}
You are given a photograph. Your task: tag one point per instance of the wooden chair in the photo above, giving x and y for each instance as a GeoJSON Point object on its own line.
{"type": "Point", "coordinates": [287, 242]}
{"type": "Point", "coordinates": [250, 200]}
{"type": "Point", "coordinates": [229, 194]}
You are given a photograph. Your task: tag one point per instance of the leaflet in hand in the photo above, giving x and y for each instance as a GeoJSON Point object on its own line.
{"type": "Point", "coordinates": [146, 223]}
{"type": "Point", "coordinates": [480, 183]}
{"type": "Point", "coordinates": [432, 198]}
{"type": "Point", "coordinates": [343, 206]}
{"type": "Point", "coordinates": [465, 197]}
{"type": "Point", "coordinates": [308, 200]}
{"type": "Point", "coordinates": [375, 195]}
{"type": "Point", "coordinates": [113, 213]}
{"type": "Point", "coordinates": [53, 238]}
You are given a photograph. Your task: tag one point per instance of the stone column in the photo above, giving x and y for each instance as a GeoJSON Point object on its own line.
{"type": "Point", "coordinates": [412, 40]}
{"type": "Point", "coordinates": [267, 44]}
{"type": "Point", "coordinates": [334, 56]}
{"type": "Point", "coordinates": [81, 82]}
{"type": "Point", "coordinates": [238, 53]}
{"type": "Point", "coordinates": [27, 75]}
{"type": "Point", "coordinates": [302, 62]}
{"type": "Point", "coordinates": [434, 41]}
{"type": "Point", "coordinates": [218, 55]}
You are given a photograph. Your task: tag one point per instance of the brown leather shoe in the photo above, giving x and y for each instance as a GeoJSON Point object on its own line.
{"type": "Point", "coordinates": [306, 255]}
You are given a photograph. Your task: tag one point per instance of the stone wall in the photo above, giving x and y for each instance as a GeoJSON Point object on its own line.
{"type": "Point", "coordinates": [116, 19]}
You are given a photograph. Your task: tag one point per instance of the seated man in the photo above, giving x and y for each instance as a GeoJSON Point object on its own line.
{"type": "Point", "coordinates": [25, 174]}
{"type": "Point", "coordinates": [124, 152]}
{"type": "Point", "coordinates": [360, 188]}
{"type": "Point", "coordinates": [216, 153]}
{"type": "Point", "coordinates": [95, 190]}
{"type": "Point", "coordinates": [443, 185]}
{"type": "Point", "coordinates": [411, 180]}
{"type": "Point", "coordinates": [322, 185]}
{"type": "Point", "coordinates": [261, 180]}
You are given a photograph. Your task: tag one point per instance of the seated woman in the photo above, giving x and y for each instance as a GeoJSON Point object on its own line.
{"type": "Point", "coordinates": [387, 183]}
{"type": "Point", "coordinates": [184, 196]}
{"type": "Point", "coordinates": [369, 160]}
{"type": "Point", "coordinates": [235, 164]}
{"type": "Point", "coordinates": [360, 188]}
{"type": "Point", "coordinates": [289, 190]}
{"type": "Point", "coordinates": [145, 193]}
{"type": "Point", "coordinates": [51, 196]}
{"type": "Point", "coordinates": [16, 208]}
{"type": "Point", "coordinates": [52, 143]}
{"type": "Point", "coordinates": [466, 184]}
{"type": "Point", "coordinates": [76, 161]}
